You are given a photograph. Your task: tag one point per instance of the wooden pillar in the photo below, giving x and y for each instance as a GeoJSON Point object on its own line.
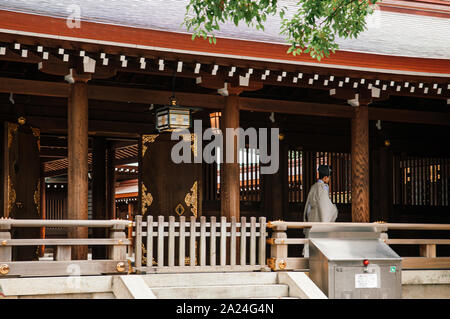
{"type": "Point", "coordinates": [3, 179]}
{"type": "Point", "coordinates": [99, 193]}
{"type": "Point", "coordinates": [381, 184]}
{"type": "Point", "coordinates": [99, 178]}
{"type": "Point", "coordinates": [130, 212]}
{"type": "Point", "coordinates": [78, 159]}
{"type": "Point", "coordinates": [230, 187]}
{"type": "Point", "coordinates": [280, 198]}
{"type": "Point", "coordinates": [130, 229]}
{"type": "Point", "coordinates": [275, 185]}
{"type": "Point", "coordinates": [110, 183]}
{"type": "Point", "coordinates": [360, 164]}
{"type": "Point", "coordinates": [42, 208]}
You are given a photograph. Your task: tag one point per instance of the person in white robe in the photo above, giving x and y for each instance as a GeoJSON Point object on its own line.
{"type": "Point", "coordinates": [318, 207]}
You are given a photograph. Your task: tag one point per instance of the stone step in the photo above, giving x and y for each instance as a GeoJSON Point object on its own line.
{"type": "Point", "coordinates": [222, 292]}
{"type": "Point", "coordinates": [274, 298]}
{"type": "Point", "coordinates": [210, 279]}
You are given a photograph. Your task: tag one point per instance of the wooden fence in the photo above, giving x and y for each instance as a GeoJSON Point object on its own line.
{"type": "Point", "coordinates": [190, 245]}
{"type": "Point", "coordinates": [213, 245]}
{"type": "Point", "coordinates": [62, 265]}
{"type": "Point", "coordinates": [279, 259]}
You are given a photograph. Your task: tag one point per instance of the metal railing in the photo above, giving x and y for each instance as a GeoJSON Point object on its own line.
{"type": "Point", "coordinates": [279, 259]}
{"type": "Point", "coordinates": [62, 265]}
{"type": "Point", "coordinates": [212, 245]}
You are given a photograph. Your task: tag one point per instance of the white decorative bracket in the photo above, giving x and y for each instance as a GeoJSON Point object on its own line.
{"type": "Point", "coordinates": [69, 77]}
{"type": "Point", "coordinates": [355, 101]}
{"type": "Point", "coordinates": [223, 91]}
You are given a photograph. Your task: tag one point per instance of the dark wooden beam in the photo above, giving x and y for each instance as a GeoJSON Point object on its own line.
{"type": "Point", "coordinates": [53, 152]}
{"type": "Point", "coordinates": [108, 93]}
{"type": "Point", "coordinates": [125, 161]}
{"type": "Point", "coordinates": [408, 116]}
{"type": "Point", "coordinates": [31, 87]}
{"type": "Point", "coordinates": [55, 173]}
{"type": "Point", "coordinates": [130, 95]}
{"type": "Point", "coordinates": [58, 125]}
{"type": "Point", "coordinates": [61, 69]}
{"type": "Point", "coordinates": [299, 108]}
{"type": "Point", "coordinates": [53, 141]}
{"type": "Point", "coordinates": [210, 101]}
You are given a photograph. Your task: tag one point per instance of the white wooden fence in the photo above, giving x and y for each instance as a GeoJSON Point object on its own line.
{"type": "Point", "coordinates": [63, 265]}
{"type": "Point", "coordinates": [199, 245]}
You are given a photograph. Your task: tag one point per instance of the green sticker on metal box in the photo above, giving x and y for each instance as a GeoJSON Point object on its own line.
{"type": "Point", "coordinates": [393, 269]}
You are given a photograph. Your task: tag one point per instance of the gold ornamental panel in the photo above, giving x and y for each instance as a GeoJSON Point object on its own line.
{"type": "Point", "coordinates": [37, 134]}
{"type": "Point", "coordinates": [37, 197]}
{"type": "Point", "coordinates": [191, 199]}
{"type": "Point", "coordinates": [147, 199]}
{"type": "Point", "coordinates": [179, 209]}
{"type": "Point", "coordinates": [147, 139]}
{"type": "Point", "coordinates": [11, 197]}
{"type": "Point", "coordinates": [12, 129]}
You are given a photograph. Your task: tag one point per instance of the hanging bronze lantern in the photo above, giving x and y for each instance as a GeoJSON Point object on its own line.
{"type": "Point", "coordinates": [172, 117]}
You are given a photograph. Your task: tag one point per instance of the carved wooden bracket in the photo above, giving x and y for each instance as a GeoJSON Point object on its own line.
{"type": "Point", "coordinates": [233, 86]}
{"type": "Point", "coordinates": [74, 77]}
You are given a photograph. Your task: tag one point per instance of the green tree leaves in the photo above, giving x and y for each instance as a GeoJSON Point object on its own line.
{"type": "Point", "coordinates": [312, 28]}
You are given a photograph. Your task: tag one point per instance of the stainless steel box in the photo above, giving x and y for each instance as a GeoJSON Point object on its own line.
{"type": "Point", "coordinates": [336, 261]}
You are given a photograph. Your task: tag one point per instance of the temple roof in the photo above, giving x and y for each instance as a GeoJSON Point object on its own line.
{"type": "Point", "coordinates": [388, 33]}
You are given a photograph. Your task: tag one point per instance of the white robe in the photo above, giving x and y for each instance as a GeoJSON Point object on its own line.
{"type": "Point", "coordinates": [318, 208]}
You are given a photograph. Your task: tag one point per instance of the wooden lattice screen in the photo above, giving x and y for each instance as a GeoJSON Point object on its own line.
{"type": "Point", "coordinates": [302, 173]}
{"type": "Point", "coordinates": [421, 180]}
{"type": "Point", "coordinates": [56, 201]}
{"type": "Point", "coordinates": [249, 175]}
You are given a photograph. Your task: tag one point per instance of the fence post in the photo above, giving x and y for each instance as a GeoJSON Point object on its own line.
{"type": "Point", "coordinates": [202, 241]}
{"type": "Point", "coordinates": [64, 253]}
{"type": "Point", "coordinates": [252, 241]}
{"type": "Point", "coordinates": [118, 252]}
{"type": "Point", "coordinates": [262, 241]}
{"type": "Point", "coordinates": [160, 241]}
{"type": "Point", "coordinates": [212, 246]}
{"type": "Point", "coordinates": [149, 254]}
{"type": "Point", "coordinates": [428, 251]}
{"type": "Point", "coordinates": [243, 241]}
{"type": "Point", "coordinates": [278, 253]}
{"type": "Point", "coordinates": [223, 241]}
{"type": "Point", "coordinates": [171, 249]}
{"type": "Point", "coordinates": [233, 241]}
{"type": "Point", "coordinates": [182, 242]}
{"type": "Point", "coordinates": [5, 251]}
{"type": "Point", "coordinates": [192, 253]}
{"type": "Point", "coordinates": [138, 242]}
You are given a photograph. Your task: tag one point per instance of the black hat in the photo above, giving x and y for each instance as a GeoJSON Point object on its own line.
{"type": "Point", "coordinates": [324, 170]}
